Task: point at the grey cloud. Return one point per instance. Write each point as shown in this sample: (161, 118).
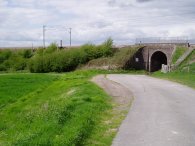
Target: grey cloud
(120, 3)
(141, 1)
(100, 24)
(111, 2)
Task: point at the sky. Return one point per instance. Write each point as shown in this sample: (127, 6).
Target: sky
(93, 21)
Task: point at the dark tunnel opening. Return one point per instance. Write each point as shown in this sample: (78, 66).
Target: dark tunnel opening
(157, 59)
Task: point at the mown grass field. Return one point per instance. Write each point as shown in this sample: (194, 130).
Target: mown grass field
(55, 109)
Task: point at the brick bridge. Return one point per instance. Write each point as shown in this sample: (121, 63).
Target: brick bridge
(151, 56)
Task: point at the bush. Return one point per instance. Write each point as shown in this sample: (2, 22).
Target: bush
(4, 55)
(88, 51)
(27, 53)
(39, 51)
(107, 48)
(3, 67)
(7, 64)
(20, 64)
(36, 65)
(14, 59)
(51, 48)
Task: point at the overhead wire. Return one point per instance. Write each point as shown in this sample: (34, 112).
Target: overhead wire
(135, 21)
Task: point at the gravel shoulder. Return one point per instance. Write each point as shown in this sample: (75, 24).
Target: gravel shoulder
(121, 95)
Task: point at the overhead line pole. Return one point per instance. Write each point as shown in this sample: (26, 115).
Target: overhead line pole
(70, 36)
(44, 30)
(44, 36)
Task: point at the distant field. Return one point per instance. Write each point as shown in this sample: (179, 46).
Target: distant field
(54, 109)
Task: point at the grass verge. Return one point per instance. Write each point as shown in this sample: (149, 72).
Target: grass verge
(180, 77)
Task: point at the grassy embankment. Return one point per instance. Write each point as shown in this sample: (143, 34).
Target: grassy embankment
(55, 109)
(180, 50)
(119, 60)
(189, 63)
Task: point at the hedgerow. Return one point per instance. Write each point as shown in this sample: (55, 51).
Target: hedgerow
(52, 58)
(68, 60)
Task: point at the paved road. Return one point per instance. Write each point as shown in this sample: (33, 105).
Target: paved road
(162, 114)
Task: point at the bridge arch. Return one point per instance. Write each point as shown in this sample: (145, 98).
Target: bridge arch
(157, 59)
(151, 56)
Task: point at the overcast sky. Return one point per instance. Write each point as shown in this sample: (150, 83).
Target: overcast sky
(21, 21)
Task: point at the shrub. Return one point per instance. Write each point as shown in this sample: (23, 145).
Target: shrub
(39, 51)
(4, 55)
(20, 64)
(14, 59)
(107, 48)
(3, 67)
(7, 64)
(88, 51)
(36, 64)
(27, 53)
(51, 48)
(91, 51)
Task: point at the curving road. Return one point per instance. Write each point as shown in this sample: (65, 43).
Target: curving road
(162, 114)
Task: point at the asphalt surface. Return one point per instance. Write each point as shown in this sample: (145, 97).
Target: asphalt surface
(162, 114)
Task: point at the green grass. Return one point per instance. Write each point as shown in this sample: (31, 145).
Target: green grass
(55, 109)
(192, 67)
(180, 77)
(178, 53)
